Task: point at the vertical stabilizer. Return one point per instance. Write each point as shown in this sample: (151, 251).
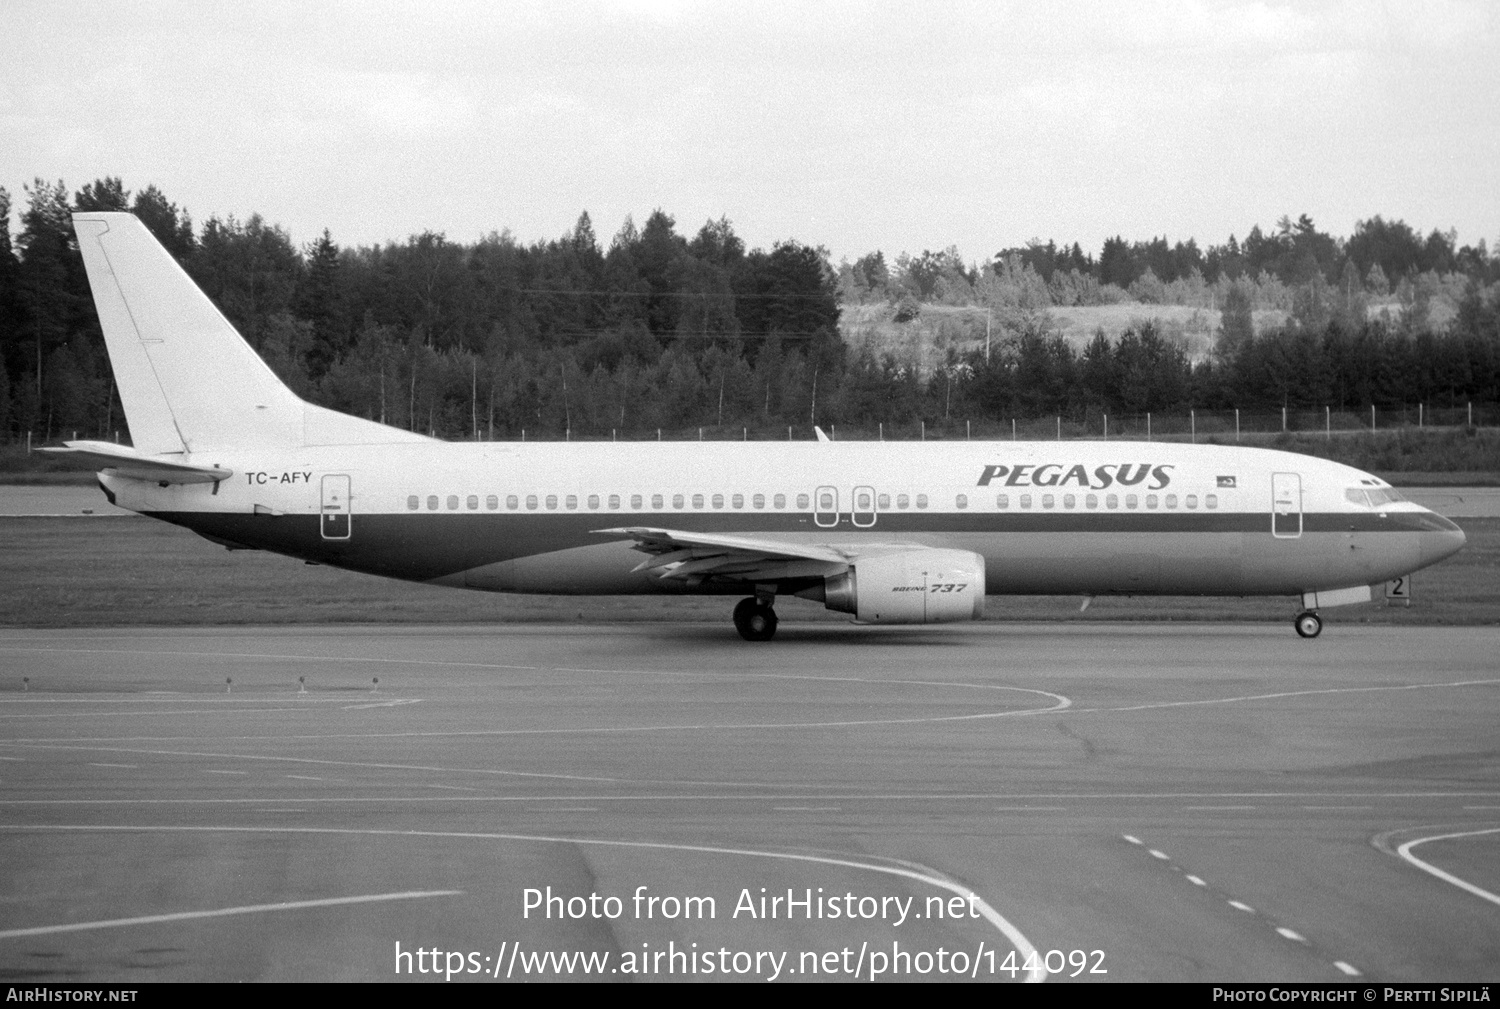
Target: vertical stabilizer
(188, 381)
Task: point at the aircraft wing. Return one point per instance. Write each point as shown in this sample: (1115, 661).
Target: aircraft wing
(695, 557)
(121, 460)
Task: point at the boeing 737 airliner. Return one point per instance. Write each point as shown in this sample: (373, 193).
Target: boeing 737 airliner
(904, 533)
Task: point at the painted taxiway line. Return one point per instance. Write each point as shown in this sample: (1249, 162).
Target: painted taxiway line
(290, 905)
(267, 657)
(923, 874)
(734, 797)
(1283, 695)
(1286, 933)
(1405, 852)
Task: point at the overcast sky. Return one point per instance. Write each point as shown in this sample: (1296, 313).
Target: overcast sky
(897, 127)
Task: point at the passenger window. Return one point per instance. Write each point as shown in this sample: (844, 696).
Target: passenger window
(738, 501)
(453, 502)
(1112, 501)
(412, 503)
(697, 500)
(657, 502)
(1002, 500)
(614, 502)
(717, 501)
(492, 502)
(571, 502)
(593, 501)
(473, 502)
(1211, 500)
(637, 502)
(551, 502)
(678, 501)
(1150, 500)
(1046, 500)
(432, 502)
(882, 501)
(902, 501)
(758, 501)
(921, 500)
(1025, 500)
(962, 500)
(1191, 500)
(1092, 501)
(779, 501)
(512, 502)
(1131, 501)
(1069, 501)
(803, 501)
(862, 501)
(531, 502)
(825, 502)
(1171, 500)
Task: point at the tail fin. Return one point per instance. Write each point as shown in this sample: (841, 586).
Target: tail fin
(188, 381)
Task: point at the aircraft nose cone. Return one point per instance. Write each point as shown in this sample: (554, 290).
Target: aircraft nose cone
(1445, 540)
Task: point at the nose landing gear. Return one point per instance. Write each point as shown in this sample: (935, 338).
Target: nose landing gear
(1308, 624)
(756, 621)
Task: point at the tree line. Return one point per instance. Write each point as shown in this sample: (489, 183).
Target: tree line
(656, 329)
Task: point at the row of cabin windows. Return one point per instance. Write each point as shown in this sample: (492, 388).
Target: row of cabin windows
(826, 501)
(1110, 501)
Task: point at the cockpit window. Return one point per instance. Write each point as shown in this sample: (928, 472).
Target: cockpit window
(1372, 497)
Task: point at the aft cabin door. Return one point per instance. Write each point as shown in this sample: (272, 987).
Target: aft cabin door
(863, 509)
(336, 507)
(1286, 505)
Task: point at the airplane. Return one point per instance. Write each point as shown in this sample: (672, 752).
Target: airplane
(890, 532)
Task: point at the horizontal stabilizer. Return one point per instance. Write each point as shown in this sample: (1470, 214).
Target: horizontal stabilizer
(120, 460)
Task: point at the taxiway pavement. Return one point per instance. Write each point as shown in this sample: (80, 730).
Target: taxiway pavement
(1206, 803)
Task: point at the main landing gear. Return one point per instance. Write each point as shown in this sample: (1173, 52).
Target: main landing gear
(1308, 624)
(755, 620)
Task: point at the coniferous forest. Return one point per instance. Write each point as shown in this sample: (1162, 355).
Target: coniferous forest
(679, 330)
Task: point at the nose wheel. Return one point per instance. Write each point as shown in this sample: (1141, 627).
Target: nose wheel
(755, 620)
(1308, 624)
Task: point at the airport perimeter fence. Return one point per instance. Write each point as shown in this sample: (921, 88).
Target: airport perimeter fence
(1219, 426)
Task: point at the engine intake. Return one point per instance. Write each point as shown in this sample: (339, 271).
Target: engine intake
(910, 587)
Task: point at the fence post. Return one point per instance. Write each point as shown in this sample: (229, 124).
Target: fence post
(1236, 424)
(882, 430)
(1471, 413)
(1059, 427)
(1419, 415)
(968, 430)
(1106, 427)
(924, 430)
(1148, 425)
(1372, 418)
(1012, 429)
(1193, 425)
(1283, 419)
(1328, 422)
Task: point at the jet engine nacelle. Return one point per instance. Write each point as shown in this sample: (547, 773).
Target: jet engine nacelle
(910, 587)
